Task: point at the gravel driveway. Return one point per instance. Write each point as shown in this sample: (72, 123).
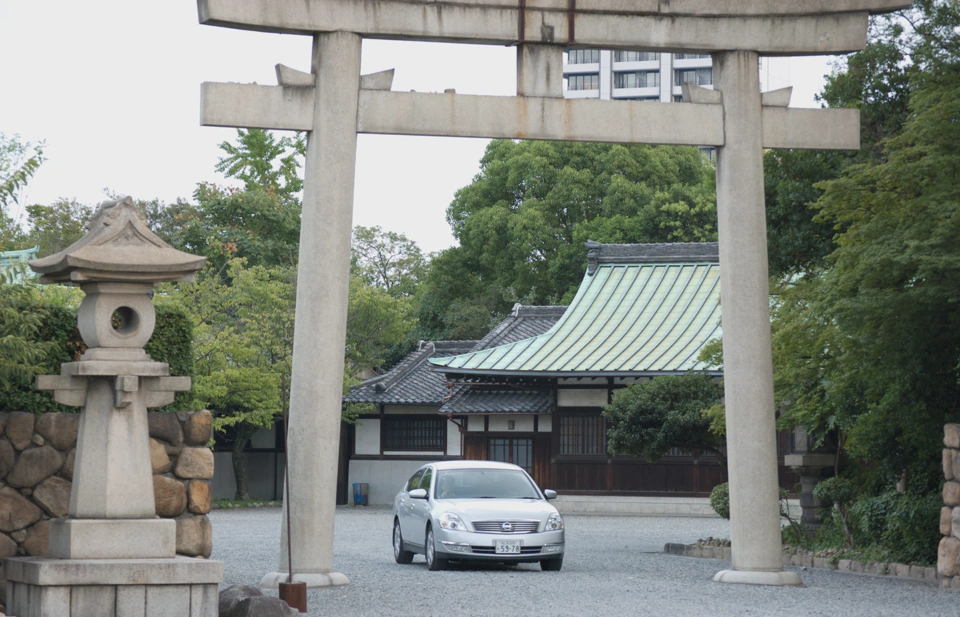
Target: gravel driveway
(613, 566)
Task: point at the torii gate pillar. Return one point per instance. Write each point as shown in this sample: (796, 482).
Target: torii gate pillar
(323, 287)
(748, 363)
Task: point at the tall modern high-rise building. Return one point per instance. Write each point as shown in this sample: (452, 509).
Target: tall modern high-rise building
(633, 75)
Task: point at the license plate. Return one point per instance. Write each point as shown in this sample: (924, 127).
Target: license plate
(508, 547)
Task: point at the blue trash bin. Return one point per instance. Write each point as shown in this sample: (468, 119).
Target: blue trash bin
(360, 492)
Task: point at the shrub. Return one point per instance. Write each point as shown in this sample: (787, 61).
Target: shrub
(720, 500)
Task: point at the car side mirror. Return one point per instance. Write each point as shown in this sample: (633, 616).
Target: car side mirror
(418, 493)
(550, 494)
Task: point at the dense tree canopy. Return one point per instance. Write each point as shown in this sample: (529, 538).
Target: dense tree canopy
(649, 419)
(522, 223)
(870, 345)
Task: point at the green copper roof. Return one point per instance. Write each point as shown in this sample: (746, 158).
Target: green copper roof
(13, 264)
(641, 310)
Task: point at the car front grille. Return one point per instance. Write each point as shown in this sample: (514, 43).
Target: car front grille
(497, 526)
(489, 550)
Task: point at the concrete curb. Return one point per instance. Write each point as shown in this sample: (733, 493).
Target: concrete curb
(898, 570)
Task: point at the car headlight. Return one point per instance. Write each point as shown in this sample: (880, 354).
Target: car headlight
(449, 520)
(554, 522)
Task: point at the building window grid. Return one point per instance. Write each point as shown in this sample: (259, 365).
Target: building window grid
(583, 82)
(692, 56)
(583, 56)
(637, 79)
(636, 56)
(414, 434)
(583, 435)
(700, 77)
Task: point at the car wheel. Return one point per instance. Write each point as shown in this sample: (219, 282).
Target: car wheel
(399, 554)
(434, 561)
(551, 565)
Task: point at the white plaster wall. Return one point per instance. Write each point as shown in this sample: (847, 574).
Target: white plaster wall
(368, 436)
(581, 398)
(453, 439)
(522, 423)
(385, 478)
(474, 423)
(545, 424)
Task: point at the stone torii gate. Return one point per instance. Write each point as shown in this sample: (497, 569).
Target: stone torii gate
(334, 103)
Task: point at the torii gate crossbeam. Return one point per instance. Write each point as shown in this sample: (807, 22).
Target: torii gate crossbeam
(334, 104)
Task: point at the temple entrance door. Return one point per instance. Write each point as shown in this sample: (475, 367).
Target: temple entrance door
(512, 450)
(530, 453)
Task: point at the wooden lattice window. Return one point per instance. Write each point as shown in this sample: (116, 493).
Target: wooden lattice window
(583, 435)
(414, 433)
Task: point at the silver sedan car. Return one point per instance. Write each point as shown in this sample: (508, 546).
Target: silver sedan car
(476, 511)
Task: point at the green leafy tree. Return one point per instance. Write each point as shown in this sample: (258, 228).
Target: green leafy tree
(387, 260)
(523, 221)
(263, 162)
(19, 161)
(57, 226)
(649, 419)
(870, 347)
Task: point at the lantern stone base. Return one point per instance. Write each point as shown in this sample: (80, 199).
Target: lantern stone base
(177, 587)
(113, 538)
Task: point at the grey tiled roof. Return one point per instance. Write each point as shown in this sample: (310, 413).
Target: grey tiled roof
(522, 323)
(411, 382)
(698, 252)
(476, 400)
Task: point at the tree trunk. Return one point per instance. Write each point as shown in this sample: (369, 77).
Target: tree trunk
(244, 433)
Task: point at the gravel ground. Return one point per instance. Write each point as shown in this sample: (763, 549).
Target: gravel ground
(612, 567)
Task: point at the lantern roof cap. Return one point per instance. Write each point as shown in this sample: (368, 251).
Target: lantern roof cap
(118, 247)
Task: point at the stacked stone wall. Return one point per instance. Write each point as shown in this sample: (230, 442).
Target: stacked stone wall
(37, 455)
(948, 555)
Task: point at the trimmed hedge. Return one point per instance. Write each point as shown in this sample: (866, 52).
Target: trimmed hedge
(172, 342)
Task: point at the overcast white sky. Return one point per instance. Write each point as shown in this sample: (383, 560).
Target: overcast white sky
(113, 87)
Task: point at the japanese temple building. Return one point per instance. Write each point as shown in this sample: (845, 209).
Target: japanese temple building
(531, 392)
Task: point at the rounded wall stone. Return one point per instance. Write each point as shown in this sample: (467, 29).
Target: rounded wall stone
(198, 496)
(20, 429)
(7, 457)
(170, 496)
(198, 428)
(948, 557)
(16, 511)
(194, 536)
(948, 463)
(954, 523)
(946, 520)
(951, 435)
(59, 429)
(8, 547)
(35, 466)
(955, 467)
(158, 457)
(197, 463)
(54, 497)
(165, 427)
(951, 493)
(37, 543)
(67, 470)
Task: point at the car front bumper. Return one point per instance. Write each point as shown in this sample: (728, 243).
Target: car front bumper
(482, 546)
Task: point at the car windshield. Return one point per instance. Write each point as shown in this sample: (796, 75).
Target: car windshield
(484, 484)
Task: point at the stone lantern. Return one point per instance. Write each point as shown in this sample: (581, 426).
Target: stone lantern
(113, 552)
